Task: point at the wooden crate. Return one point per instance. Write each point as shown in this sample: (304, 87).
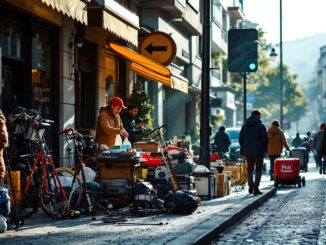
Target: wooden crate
(120, 169)
(147, 146)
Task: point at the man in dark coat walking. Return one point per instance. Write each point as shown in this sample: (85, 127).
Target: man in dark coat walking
(222, 141)
(253, 140)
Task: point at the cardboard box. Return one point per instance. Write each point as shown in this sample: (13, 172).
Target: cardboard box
(235, 173)
(244, 173)
(229, 175)
(147, 146)
(15, 177)
(221, 180)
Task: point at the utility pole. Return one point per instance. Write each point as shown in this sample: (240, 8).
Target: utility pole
(205, 86)
(281, 68)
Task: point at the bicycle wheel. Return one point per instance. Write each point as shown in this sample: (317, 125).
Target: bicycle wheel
(74, 191)
(52, 202)
(30, 200)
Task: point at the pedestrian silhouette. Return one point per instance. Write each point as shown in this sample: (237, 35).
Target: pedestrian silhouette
(253, 142)
(222, 141)
(276, 143)
(297, 141)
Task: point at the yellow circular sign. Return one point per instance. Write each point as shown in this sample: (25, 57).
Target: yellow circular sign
(158, 46)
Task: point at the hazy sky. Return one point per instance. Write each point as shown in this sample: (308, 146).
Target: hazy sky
(301, 18)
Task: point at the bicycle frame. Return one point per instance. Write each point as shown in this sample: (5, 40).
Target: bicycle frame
(41, 159)
(157, 135)
(79, 165)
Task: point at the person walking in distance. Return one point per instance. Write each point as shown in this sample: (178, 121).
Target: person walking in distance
(297, 141)
(222, 141)
(317, 148)
(323, 146)
(276, 143)
(253, 140)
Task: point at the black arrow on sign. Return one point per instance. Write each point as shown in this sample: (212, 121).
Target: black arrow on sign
(150, 48)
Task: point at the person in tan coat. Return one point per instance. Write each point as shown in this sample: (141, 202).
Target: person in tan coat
(3, 144)
(276, 143)
(109, 123)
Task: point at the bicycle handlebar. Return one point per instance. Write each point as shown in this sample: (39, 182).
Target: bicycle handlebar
(158, 128)
(73, 132)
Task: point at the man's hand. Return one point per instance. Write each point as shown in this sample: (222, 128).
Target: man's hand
(139, 125)
(124, 133)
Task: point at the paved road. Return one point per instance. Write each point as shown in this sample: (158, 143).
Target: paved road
(293, 216)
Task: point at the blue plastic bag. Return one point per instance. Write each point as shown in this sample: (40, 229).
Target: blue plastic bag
(4, 201)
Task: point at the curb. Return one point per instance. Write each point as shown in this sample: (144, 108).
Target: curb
(229, 222)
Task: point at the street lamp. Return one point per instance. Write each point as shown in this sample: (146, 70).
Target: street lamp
(273, 55)
(281, 69)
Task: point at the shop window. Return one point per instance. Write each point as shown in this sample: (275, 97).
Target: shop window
(11, 40)
(38, 51)
(110, 77)
(42, 74)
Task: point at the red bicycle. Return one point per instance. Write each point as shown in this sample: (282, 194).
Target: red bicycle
(43, 186)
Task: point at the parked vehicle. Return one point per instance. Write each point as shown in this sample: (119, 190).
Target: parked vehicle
(235, 146)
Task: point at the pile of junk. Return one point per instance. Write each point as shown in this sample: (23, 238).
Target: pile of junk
(149, 175)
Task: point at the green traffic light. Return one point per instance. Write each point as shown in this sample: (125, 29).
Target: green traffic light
(252, 66)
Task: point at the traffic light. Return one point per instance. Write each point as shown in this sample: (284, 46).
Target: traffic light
(242, 50)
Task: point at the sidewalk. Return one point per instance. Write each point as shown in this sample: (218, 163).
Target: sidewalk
(210, 219)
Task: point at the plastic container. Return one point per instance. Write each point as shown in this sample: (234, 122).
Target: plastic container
(126, 145)
(153, 162)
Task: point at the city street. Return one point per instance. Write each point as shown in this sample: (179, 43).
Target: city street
(292, 216)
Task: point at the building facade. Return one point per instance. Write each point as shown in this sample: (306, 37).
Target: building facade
(66, 61)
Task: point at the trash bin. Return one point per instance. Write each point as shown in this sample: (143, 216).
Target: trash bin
(300, 152)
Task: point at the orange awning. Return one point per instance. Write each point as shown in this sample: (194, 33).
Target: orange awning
(142, 65)
(149, 68)
(152, 75)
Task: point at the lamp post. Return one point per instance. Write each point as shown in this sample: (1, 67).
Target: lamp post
(273, 55)
(281, 69)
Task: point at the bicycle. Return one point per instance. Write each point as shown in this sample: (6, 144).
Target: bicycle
(41, 183)
(78, 188)
(156, 134)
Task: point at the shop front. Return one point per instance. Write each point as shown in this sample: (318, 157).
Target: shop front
(36, 58)
(29, 52)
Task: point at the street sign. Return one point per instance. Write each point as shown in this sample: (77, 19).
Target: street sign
(158, 46)
(251, 98)
(249, 106)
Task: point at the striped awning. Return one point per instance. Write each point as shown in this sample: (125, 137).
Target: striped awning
(76, 9)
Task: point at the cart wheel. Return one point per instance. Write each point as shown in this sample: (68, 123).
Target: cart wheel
(303, 180)
(19, 222)
(299, 181)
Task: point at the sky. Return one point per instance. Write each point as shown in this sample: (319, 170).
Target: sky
(301, 18)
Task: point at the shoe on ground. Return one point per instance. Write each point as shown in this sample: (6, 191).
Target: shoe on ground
(257, 192)
(320, 171)
(272, 177)
(251, 190)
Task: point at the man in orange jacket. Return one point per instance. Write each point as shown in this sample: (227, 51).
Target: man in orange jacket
(109, 124)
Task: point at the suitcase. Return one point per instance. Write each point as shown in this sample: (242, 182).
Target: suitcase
(286, 172)
(300, 152)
